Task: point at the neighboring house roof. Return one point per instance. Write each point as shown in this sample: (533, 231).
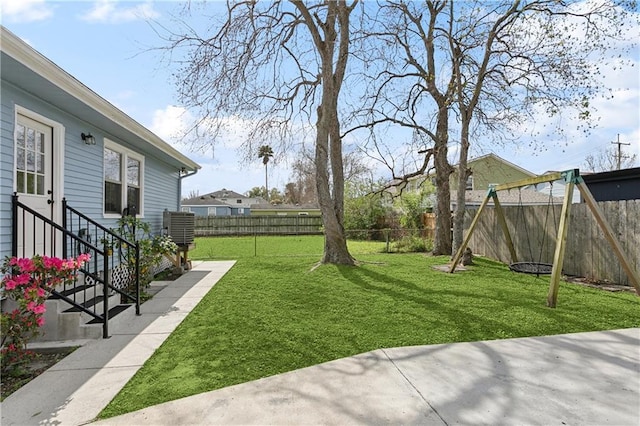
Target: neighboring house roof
(267, 206)
(213, 199)
(54, 85)
(205, 202)
(613, 175)
(529, 197)
(225, 193)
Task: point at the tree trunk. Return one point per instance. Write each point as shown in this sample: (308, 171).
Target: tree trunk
(463, 174)
(442, 237)
(328, 142)
(332, 208)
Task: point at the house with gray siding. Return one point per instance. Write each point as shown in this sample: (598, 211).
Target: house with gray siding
(224, 202)
(71, 164)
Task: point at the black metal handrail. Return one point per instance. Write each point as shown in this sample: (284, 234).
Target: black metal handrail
(30, 226)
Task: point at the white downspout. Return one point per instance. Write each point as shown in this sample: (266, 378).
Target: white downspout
(180, 177)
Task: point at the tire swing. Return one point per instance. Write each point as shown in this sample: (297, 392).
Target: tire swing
(534, 267)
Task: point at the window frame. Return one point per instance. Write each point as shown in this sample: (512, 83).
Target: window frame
(125, 155)
(469, 183)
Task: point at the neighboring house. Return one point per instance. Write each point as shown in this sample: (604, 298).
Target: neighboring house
(267, 209)
(486, 170)
(220, 203)
(614, 185)
(61, 141)
(490, 169)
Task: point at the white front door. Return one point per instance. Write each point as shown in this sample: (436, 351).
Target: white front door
(33, 179)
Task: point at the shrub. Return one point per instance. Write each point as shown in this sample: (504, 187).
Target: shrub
(152, 248)
(413, 244)
(28, 282)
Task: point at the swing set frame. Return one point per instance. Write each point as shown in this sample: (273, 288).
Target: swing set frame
(572, 179)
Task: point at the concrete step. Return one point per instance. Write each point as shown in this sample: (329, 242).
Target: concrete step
(66, 322)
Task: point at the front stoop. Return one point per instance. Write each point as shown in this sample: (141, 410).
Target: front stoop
(64, 322)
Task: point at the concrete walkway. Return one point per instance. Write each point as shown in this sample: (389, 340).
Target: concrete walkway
(573, 379)
(75, 390)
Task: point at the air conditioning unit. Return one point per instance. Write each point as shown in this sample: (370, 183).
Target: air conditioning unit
(180, 226)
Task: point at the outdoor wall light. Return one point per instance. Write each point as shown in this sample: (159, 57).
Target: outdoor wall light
(88, 138)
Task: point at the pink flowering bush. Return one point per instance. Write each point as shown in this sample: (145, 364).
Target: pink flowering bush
(28, 282)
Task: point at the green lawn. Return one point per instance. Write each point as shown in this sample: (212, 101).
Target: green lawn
(224, 248)
(272, 314)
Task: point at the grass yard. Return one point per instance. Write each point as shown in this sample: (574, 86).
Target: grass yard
(232, 248)
(272, 314)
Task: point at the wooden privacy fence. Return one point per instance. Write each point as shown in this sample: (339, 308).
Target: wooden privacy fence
(588, 254)
(257, 225)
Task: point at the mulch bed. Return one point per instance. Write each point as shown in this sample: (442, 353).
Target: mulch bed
(42, 362)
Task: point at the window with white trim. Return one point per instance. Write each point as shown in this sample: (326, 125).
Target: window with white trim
(123, 180)
(211, 211)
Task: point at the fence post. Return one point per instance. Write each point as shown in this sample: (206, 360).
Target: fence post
(386, 232)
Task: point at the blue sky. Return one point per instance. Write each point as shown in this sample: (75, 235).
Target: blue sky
(105, 44)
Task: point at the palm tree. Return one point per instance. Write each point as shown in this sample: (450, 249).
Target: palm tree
(265, 152)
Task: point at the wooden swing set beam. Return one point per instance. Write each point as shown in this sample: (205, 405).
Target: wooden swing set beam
(572, 178)
(549, 177)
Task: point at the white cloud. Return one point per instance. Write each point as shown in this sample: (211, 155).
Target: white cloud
(108, 11)
(170, 123)
(25, 10)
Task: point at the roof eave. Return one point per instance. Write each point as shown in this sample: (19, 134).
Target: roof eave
(41, 65)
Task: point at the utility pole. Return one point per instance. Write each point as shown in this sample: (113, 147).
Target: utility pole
(619, 150)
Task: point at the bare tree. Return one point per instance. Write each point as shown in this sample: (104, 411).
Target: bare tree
(513, 59)
(493, 65)
(192, 194)
(280, 67)
(609, 159)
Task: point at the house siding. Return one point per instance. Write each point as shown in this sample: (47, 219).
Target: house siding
(199, 211)
(160, 191)
(83, 167)
(6, 168)
(489, 170)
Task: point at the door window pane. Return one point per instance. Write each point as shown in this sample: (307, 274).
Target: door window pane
(31, 184)
(20, 136)
(40, 184)
(31, 161)
(40, 164)
(31, 139)
(20, 156)
(20, 182)
(40, 138)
